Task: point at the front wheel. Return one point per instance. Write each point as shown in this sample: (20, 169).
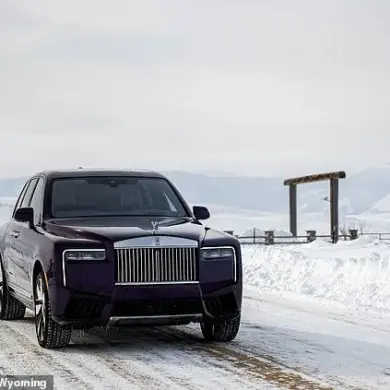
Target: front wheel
(225, 331)
(50, 334)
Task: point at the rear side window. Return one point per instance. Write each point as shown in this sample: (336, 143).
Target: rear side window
(27, 196)
(37, 201)
(21, 196)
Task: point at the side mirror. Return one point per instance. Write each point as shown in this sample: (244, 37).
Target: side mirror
(201, 213)
(25, 214)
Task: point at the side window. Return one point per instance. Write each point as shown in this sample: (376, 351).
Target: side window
(37, 201)
(19, 201)
(28, 194)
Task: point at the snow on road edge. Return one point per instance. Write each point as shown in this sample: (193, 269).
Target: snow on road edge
(352, 273)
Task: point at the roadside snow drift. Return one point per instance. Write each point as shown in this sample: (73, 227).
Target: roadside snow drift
(352, 273)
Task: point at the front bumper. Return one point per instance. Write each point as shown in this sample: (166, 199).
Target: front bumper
(146, 305)
(85, 294)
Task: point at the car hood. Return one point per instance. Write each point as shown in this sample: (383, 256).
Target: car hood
(122, 228)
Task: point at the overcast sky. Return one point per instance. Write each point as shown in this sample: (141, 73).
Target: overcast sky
(261, 87)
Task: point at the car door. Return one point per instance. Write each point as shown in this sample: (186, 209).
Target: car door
(18, 259)
(9, 240)
(27, 242)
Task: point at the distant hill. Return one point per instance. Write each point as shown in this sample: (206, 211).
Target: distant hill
(262, 194)
(366, 191)
(359, 193)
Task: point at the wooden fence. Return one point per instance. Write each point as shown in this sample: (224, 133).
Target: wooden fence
(269, 238)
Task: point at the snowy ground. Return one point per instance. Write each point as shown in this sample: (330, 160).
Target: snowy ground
(315, 316)
(355, 274)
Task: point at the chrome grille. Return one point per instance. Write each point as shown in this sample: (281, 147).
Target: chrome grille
(156, 265)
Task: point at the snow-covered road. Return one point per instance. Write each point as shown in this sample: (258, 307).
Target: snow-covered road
(282, 345)
(342, 349)
(174, 358)
(314, 317)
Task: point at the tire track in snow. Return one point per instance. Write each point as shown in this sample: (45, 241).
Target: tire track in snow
(141, 359)
(161, 350)
(338, 352)
(124, 366)
(257, 365)
(235, 359)
(86, 365)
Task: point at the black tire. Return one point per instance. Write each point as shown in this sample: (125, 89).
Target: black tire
(10, 307)
(50, 334)
(226, 331)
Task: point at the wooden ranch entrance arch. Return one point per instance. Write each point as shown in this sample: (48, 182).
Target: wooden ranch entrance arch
(334, 199)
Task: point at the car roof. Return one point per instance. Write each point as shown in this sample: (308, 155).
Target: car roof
(80, 172)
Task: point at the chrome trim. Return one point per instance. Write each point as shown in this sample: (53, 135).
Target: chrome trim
(63, 269)
(153, 283)
(223, 247)
(76, 250)
(168, 316)
(156, 241)
(156, 265)
(196, 316)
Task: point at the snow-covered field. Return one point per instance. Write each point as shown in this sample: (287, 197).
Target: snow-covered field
(240, 221)
(315, 316)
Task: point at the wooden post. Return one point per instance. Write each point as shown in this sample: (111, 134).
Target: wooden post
(353, 233)
(334, 193)
(293, 210)
(269, 237)
(334, 209)
(311, 235)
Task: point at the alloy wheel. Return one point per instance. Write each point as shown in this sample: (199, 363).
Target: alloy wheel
(40, 309)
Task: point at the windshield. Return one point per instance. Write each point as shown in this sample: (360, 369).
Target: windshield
(114, 196)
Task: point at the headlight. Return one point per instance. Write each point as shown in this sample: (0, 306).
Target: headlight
(81, 255)
(217, 253)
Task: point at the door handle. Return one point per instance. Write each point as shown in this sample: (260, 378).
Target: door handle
(15, 233)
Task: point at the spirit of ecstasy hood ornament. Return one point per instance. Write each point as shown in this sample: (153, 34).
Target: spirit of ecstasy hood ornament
(154, 226)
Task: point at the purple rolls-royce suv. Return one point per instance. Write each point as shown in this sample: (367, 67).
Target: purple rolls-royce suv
(86, 248)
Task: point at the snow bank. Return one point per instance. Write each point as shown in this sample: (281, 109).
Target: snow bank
(352, 273)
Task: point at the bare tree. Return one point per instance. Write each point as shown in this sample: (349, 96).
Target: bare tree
(362, 226)
(345, 227)
(343, 230)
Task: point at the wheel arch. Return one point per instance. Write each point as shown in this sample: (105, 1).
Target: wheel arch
(38, 267)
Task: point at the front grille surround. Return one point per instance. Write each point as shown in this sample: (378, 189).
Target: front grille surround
(156, 265)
